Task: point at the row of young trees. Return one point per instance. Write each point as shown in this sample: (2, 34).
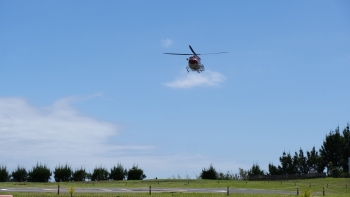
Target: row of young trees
(333, 155)
(63, 173)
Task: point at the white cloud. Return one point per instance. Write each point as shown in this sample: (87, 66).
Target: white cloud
(60, 134)
(166, 42)
(192, 79)
(56, 134)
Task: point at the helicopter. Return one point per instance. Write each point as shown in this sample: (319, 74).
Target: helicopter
(194, 62)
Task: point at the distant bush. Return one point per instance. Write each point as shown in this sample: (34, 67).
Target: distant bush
(79, 174)
(135, 173)
(63, 173)
(20, 175)
(118, 173)
(100, 173)
(255, 170)
(39, 173)
(209, 173)
(4, 174)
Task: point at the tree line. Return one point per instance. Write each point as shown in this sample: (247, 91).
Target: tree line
(333, 155)
(64, 173)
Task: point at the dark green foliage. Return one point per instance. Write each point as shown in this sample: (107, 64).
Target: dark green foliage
(118, 173)
(287, 164)
(20, 175)
(255, 170)
(346, 149)
(209, 173)
(243, 174)
(331, 150)
(335, 151)
(63, 173)
(39, 173)
(302, 166)
(314, 161)
(273, 170)
(79, 174)
(4, 174)
(223, 176)
(136, 173)
(99, 174)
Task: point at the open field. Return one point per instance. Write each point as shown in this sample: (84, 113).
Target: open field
(336, 187)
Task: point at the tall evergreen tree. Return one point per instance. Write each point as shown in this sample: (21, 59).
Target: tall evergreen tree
(302, 163)
(315, 161)
(331, 150)
(79, 174)
(296, 164)
(135, 173)
(39, 173)
(287, 165)
(118, 173)
(4, 174)
(273, 170)
(209, 173)
(99, 174)
(63, 173)
(346, 148)
(255, 170)
(20, 174)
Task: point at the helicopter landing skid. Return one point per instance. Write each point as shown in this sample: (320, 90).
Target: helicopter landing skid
(201, 69)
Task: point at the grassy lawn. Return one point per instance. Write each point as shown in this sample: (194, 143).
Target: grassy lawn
(162, 195)
(336, 186)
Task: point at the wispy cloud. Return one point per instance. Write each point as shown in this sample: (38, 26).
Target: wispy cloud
(60, 133)
(207, 78)
(56, 134)
(166, 42)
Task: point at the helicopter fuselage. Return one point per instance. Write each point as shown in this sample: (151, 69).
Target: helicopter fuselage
(194, 63)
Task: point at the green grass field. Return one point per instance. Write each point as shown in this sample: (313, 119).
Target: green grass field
(336, 187)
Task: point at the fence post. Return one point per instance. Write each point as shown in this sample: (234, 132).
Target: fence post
(58, 189)
(297, 191)
(323, 191)
(228, 191)
(150, 192)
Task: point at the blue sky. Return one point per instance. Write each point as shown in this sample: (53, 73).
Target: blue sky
(86, 82)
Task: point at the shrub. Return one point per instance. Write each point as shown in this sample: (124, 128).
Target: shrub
(135, 173)
(4, 174)
(210, 173)
(39, 173)
(79, 174)
(118, 173)
(20, 175)
(63, 173)
(100, 173)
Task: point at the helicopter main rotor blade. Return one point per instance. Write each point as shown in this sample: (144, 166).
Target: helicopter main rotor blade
(212, 53)
(193, 50)
(177, 53)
